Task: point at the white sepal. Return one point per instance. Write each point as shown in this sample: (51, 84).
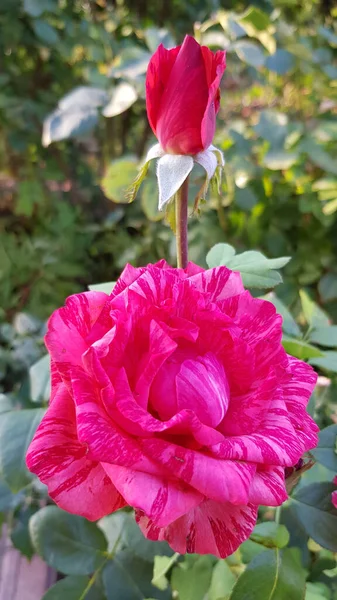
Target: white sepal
(155, 151)
(221, 160)
(172, 170)
(208, 161)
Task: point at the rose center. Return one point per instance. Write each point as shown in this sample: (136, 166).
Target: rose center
(192, 382)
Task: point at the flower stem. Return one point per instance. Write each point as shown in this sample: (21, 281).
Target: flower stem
(181, 225)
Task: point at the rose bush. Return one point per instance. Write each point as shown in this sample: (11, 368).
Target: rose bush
(183, 96)
(173, 395)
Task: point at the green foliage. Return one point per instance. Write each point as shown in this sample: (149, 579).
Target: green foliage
(74, 587)
(16, 432)
(67, 542)
(326, 451)
(192, 578)
(256, 270)
(274, 574)
(315, 511)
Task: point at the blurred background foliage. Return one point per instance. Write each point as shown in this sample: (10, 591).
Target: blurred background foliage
(76, 70)
(73, 132)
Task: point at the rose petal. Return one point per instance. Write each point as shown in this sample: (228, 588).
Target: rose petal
(220, 283)
(70, 327)
(105, 440)
(277, 442)
(221, 480)
(184, 102)
(210, 528)
(76, 483)
(268, 487)
(246, 412)
(202, 386)
(215, 65)
(164, 500)
(158, 73)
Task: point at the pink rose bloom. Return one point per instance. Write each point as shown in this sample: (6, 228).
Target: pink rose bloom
(175, 396)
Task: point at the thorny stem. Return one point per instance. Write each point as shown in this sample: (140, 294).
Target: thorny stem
(181, 225)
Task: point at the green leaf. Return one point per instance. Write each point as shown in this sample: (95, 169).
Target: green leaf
(326, 451)
(272, 575)
(222, 581)
(123, 97)
(39, 377)
(131, 63)
(16, 432)
(73, 588)
(273, 127)
(7, 498)
(325, 184)
(68, 543)
(20, 533)
(327, 287)
(250, 549)
(329, 35)
(149, 200)
(35, 8)
(45, 32)
(85, 96)
(313, 314)
(317, 514)
(330, 207)
(139, 545)
(257, 25)
(30, 194)
(270, 534)
(256, 270)
(324, 336)
(254, 16)
(118, 177)
(300, 349)
(328, 362)
(249, 53)
(67, 123)
(112, 527)
(154, 37)
(319, 157)
(279, 160)
(317, 591)
(219, 255)
(162, 564)
(268, 279)
(289, 325)
(280, 62)
(102, 287)
(255, 262)
(128, 577)
(6, 403)
(245, 199)
(192, 582)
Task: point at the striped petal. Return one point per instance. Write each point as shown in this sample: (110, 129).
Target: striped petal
(220, 283)
(268, 487)
(76, 483)
(70, 328)
(210, 528)
(164, 500)
(220, 480)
